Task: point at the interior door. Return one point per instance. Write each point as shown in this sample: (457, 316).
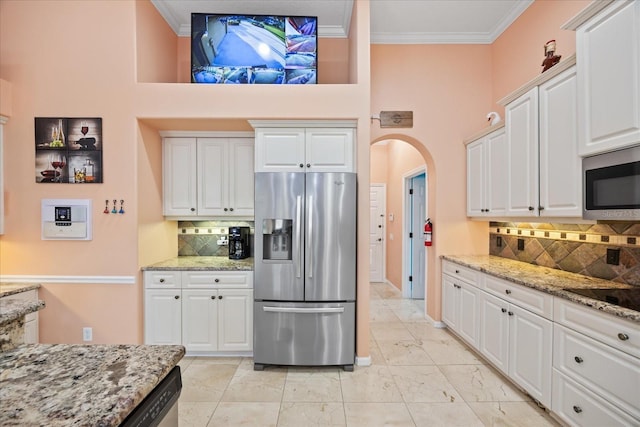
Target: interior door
(417, 253)
(377, 196)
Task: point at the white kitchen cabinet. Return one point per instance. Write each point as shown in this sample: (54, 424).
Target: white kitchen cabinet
(487, 175)
(305, 149)
(494, 331)
(208, 177)
(162, 316)
(544, 171)
(521, 123)
(559, 164)
(206, 311)
(608, 54)
(460, 307)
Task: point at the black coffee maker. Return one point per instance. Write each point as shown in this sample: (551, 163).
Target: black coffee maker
(239, 242)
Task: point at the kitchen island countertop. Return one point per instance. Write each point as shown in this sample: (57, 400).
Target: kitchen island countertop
(7, 288)
(547, 280)
(202, 263)
(68, 384)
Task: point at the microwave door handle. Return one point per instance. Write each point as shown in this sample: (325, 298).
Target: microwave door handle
(298, 237)
(309, 240)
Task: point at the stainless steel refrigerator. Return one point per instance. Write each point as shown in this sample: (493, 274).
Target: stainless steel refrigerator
(305, 269)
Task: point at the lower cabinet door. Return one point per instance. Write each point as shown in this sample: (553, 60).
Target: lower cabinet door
(530, 353)
(469, 306)
(235, 320)
(199, 320)
(494, 324)
(449, 302)
(162, 316)
(577, 406)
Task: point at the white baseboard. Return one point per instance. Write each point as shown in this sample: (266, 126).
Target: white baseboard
(363, 361)
(111, 280)
(439, 324)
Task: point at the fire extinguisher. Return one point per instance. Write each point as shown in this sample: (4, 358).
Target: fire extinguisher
(428, 231)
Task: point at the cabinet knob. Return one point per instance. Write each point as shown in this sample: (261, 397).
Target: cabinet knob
(301, 165)
(231, 209)
(504, 310)
(531, 208)
(578, 359)
(213, 297)
(308, 165)
(379, 226)
(216, 280)
(225, 209)
(577, 409)
(177, 297)
(510, 313)
(193, 209)
(540, 208)
(457, 271)
(508, 292)
(161, 280)
(623, 337)
(379, 239)
(219, 296)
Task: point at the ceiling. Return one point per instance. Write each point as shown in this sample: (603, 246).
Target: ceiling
(392, 21)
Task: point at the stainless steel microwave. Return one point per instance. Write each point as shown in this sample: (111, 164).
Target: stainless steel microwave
(611, 185)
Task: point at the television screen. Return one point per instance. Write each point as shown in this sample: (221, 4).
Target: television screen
(253, 49)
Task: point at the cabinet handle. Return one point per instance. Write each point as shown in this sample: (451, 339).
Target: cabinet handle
(308, 165)
(177, 297)
(623, 337)
(219, 296)
(540, 208)
(577, 409)
(216, 280)
(161, 280)
(578, 359)
(508, 292)
(193, 209)
(504, 310)
(531, 208)
(511, 313)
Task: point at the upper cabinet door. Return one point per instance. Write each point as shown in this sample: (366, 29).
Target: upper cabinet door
(329, 150)
(241, 177)
(496, 172)
(476, 185)
(280, 150)
(560, 165)
(179, 177)
(213, 176)
(521, 125)
(608, 55)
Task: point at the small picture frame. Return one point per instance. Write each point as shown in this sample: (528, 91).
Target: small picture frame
(68, 150)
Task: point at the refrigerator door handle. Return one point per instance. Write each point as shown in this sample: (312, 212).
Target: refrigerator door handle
(299, 310)
(309, 241)
(299, 235)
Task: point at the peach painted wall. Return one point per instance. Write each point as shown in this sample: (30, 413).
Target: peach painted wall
(379, 158)
(6, 98)
(449, 91)
(402, 159)
(518, 53)
(64, 59)
(156, 46)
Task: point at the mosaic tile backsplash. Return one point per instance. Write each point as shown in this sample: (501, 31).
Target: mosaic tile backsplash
(578, 248)
(200, 238)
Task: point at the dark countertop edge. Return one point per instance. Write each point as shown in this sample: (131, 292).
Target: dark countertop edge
(16, 288)
(615, 310)
(18, 309)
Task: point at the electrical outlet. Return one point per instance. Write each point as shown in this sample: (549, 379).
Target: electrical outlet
(87, 334)
(521, 244)
(613, 256)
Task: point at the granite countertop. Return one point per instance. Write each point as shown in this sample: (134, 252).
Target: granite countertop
(202, 263)
(7, 289)
(12, 309)
(83, 385)
(547, 280)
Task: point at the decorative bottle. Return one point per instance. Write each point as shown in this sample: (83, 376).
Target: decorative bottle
(88, 174)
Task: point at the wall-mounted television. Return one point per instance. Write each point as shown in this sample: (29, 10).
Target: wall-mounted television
(253, 49)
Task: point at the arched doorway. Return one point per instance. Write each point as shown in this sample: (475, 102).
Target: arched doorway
(394, 160)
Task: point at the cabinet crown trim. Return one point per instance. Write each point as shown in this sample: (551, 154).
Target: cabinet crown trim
(483, 132)
(542, 78)
(303, 123)
(586, 14)
(205, 134)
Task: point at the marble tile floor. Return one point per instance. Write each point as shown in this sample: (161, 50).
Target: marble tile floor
(419, 376)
